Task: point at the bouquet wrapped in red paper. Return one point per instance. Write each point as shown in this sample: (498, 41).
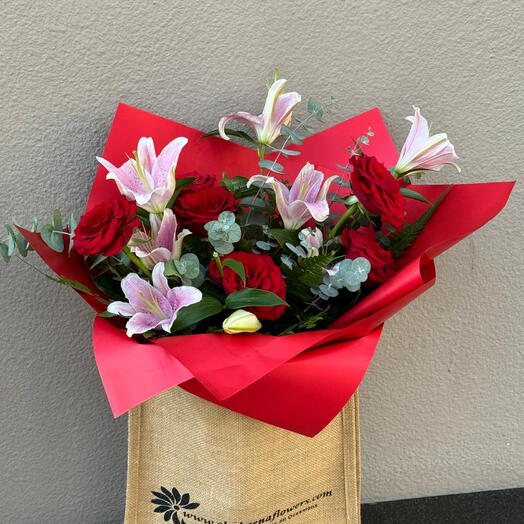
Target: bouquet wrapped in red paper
(257, 278)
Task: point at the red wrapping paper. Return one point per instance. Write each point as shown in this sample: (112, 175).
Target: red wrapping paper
(298, 382)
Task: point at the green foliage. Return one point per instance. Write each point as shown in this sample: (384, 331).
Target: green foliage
(181, 183)
(249, 297)
(271, 165)
(231, 132)
(191, 315)
(223, 233)
(316, 108)
(237, 186)
(307, 273)
(294, 136)
(415, 195)
(78, 286)
(403, 240)
(282, 236)
(236, 266)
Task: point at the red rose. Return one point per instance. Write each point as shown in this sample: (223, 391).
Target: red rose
(261, 273)
(201, 202)
(377, 189)
(363, 242)
(106, 229)
(201, 181)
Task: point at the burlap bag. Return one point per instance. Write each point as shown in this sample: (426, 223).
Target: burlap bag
(236, 469)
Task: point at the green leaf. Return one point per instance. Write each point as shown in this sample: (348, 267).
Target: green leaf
(307, 273)
(415, 195)
(270, 165)
(52, 238)
(236, 266)
(254, 202)
(57, 220)
(403, 240)
(283, 236)
(237, 186)
(4, 252)
(249, 297)
(106, 314)
(78, 286)
(18, 240)
(231, 132)
(286, 152)
(180, 184)
(316, 108)
(293, 135)
(190, 315)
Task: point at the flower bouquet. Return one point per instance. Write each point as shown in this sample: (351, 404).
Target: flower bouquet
(257, 279)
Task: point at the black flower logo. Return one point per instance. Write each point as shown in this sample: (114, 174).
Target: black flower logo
(170, 502)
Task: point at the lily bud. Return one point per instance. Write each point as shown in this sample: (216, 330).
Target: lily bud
(241, 321)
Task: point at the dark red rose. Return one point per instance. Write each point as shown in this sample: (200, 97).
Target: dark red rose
(377, 189)
(106, 229)
(261, 273)
(201, 181)
(363, 242)
(202, 201)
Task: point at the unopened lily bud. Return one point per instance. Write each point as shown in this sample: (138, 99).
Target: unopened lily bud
(241, 321)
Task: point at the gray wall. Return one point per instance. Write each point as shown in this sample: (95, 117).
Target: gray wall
(442, 403)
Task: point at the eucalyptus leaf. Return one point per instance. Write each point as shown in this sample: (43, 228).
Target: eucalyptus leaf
(250, 297)
(316, 108)
(4, 253)
(270, 165)
(295, 136)
(52, 238)
(57, 220)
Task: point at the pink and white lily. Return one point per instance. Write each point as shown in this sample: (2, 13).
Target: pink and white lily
(146, 178)
(162, 243)
(152, 306)
(421, 151)
(306, 199)
(277, 112)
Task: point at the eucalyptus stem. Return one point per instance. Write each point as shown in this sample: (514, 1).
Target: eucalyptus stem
(336, 228)
(138, 263)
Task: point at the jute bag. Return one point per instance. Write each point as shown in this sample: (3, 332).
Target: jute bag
(210, 465)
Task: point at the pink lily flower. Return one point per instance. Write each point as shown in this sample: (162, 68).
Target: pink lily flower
(277, 112)
(306, 199)
(147, 179)
(162, 243)
(152, 306)
(421, 151)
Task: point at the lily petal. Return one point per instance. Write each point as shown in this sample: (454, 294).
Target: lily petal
(146, 153)
(140, 323)
(163, 172)
(159, 279)
(125, 309)
(307, 184)
(281, 115)
(183, 296)
(256, 122)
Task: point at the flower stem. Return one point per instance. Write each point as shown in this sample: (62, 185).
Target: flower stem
(336, 228)
(138, 263)
(261, 155)
(220, 266)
